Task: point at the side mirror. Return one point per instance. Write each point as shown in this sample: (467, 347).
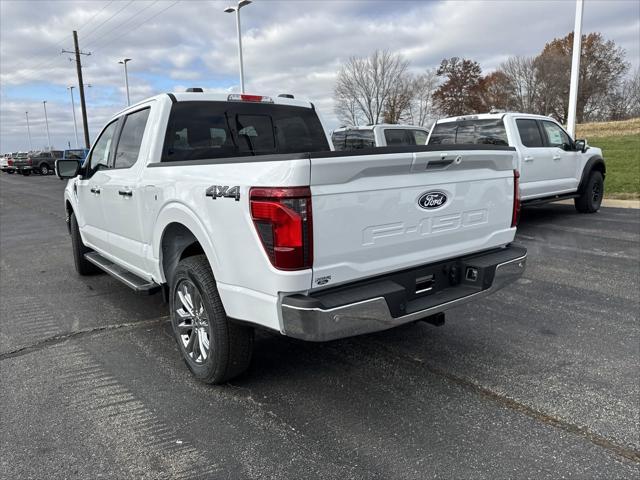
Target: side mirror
(67, 168)
(581, 145)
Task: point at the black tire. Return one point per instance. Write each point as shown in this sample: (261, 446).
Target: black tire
(83, 266)
(44, 169)
(9, 172)
(591, 198)
(230, 344)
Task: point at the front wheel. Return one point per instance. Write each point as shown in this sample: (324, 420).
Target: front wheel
(44, 169)
(83, 266)
(214, 348)
(591, 198)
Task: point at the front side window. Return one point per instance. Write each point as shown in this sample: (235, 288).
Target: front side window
(420, 137)
(483, 132)
(99, 158)
(556, 136)
(529, 133)
(131, 138)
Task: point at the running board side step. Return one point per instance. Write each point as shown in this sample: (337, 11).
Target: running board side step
(137, 284)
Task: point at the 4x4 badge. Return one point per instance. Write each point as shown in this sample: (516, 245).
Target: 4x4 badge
(215, 191)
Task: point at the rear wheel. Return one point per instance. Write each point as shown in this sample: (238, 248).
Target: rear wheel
(83, 266)
(214, 348)
(44, 169)
(591, 198)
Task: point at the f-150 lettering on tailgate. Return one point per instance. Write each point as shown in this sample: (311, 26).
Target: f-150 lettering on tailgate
(426, 226)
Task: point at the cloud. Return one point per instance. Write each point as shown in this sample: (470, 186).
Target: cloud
(289, 47)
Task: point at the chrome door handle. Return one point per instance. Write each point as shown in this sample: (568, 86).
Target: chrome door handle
(125, 193)
(95, 190)
(528, 159)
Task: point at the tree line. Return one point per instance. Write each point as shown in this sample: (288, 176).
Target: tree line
(380, 88)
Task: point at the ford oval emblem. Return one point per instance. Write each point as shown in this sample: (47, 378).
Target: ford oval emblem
(430, 200)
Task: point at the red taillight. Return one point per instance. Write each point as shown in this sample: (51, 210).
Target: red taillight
(516, 198)
(282, 217)
(10, 162)
(28, 161)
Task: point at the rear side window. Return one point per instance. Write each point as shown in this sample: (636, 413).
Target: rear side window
(131, 138)
(202, 130)
(529, 133)
(353, 140)
(483, 132)
(398, 137)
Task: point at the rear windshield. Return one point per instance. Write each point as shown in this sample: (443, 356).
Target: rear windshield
(486, 132)
(353, 139)
(202, 130)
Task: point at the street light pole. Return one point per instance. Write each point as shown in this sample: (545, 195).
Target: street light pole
(73, 109)
(46, 121)
(126, 77)
(241, 3)
(29, 132)
(575, 70)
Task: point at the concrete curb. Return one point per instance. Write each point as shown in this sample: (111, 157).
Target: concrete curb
(611, 203)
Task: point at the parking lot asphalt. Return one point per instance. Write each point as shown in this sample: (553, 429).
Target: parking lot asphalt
(540, 380)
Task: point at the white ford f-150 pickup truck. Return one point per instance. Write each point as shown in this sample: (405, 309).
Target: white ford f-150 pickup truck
(552, 165)
(235, 207)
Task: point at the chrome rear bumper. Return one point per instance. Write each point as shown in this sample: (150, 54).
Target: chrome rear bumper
(320, 324)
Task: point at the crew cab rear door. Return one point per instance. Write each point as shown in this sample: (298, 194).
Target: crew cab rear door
(380, 212)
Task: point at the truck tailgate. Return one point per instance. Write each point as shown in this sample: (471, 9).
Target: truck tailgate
(377, 213)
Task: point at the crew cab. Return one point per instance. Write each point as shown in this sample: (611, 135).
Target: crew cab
(39, 162)
(381, 135)
(236, 208)
(552, 165)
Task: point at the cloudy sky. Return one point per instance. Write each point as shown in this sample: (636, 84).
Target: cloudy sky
(293, 46)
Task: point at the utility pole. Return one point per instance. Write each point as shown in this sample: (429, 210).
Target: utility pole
(46, 122)
(73, 108)
(83, 105)
(575, 70)
(29, 132)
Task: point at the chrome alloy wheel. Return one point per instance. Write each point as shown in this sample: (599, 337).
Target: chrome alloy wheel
(191, 321)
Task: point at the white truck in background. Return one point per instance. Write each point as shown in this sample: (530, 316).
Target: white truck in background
(552, 165)
(380, 135)
(235, 207)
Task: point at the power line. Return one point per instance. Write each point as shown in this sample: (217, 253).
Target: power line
(65, 38)
(105, 21)
(139, 23)
(95, 40)
(95, 15)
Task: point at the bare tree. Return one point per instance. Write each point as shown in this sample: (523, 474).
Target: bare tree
(365, 85)
(523, 81)
(422, 108)
(398, 105)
